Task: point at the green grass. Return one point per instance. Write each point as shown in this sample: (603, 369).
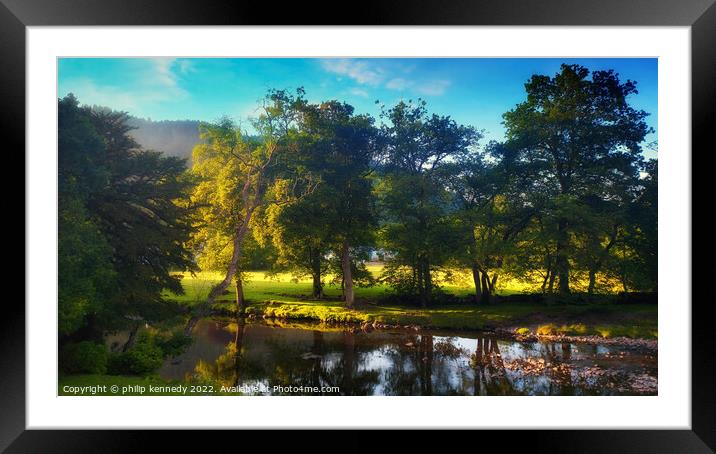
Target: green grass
(258, 286)
(282, 298)
(605, 320)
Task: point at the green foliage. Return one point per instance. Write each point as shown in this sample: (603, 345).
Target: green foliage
(84, 357)
(85, 273)
(581, 141)
(337, 147)
(142, 359)
(418, 227)
(173, 344)
(121, 225)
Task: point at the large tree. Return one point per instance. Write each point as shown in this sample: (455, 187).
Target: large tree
(418, 228)
(240, 174)
(123, 201)
(494, 209)
(339, 147)
(580, 136)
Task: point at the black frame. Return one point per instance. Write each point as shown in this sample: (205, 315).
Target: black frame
(15, 15)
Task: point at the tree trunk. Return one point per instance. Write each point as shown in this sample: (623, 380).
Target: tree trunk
(545, 280)
(217, 289)
(552, 276)
(347, 275)
(592, 281)
(316, 274)
(428, 283)
(602, 256)
(485, 288)
(561, 260)
(476, 279)
(493, 283)
(131, 339)
(240, 302)
(421, 282)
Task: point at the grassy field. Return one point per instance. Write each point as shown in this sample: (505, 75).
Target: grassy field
(284, 297)
(635, 321)
(283, 287)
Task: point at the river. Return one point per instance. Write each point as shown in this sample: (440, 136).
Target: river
(265, 358)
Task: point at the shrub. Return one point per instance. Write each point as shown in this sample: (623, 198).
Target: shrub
(84, 357)
(142, 359)
(174, 344)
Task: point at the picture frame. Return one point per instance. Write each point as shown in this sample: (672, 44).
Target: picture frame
(700, 15)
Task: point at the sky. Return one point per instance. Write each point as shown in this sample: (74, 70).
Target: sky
(473, 91)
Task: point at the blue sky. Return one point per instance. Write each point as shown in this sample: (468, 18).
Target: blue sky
(475, 91)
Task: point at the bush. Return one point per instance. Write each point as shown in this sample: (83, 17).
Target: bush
(142, 359)
(174, 344)
(84, 357)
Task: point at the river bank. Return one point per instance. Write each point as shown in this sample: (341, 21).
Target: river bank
(605, 323)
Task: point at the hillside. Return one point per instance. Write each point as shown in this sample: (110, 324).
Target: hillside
(173, 137)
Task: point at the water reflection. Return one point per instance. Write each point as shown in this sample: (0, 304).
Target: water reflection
(236, 353)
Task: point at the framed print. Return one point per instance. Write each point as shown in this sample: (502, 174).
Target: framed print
(407, 218)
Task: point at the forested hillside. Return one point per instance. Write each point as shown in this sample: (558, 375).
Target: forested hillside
(172, 137)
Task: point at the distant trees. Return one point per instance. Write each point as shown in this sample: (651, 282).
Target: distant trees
(121, 226)
(172, 137)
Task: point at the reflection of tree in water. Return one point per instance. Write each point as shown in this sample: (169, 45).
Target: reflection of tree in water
(420, 365)
(404, 363)
(288, 363)
(558, 368)
(225, 370)
(545, 369)
(346, 372)
(490, 375)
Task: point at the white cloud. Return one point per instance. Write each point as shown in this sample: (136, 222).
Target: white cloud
(373, 73)
(164, 74)
(397, 84)
(88, 92)
(162, 71)
(152, 81)
(359, 92)
(360, 71)
(433, 88)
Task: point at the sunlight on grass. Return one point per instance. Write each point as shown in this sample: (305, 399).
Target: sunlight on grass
(283, 297)
(284, 287)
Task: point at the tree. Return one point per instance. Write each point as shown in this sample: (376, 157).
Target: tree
(418, 227)
(493, 211)
(301, 233)
(124, 202)
(635, 260)
(239, 174)
(85, 273)
(579, 135)
(338, 147)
